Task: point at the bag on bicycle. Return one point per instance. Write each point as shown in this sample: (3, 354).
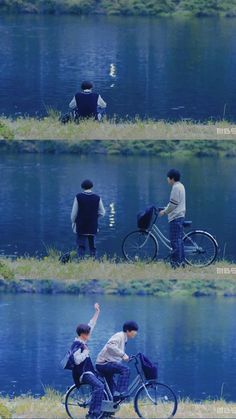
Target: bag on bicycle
(149, 369)
(144, 218)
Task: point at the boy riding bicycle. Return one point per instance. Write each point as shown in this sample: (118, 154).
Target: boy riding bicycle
(109, 360)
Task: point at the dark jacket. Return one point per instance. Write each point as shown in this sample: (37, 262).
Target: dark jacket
(87, 217)
(87, 104)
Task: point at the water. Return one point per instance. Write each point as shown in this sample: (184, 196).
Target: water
(37, 193)
(192, 339)
(167, 68)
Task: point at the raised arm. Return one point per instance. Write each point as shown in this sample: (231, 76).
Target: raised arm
(93, 320)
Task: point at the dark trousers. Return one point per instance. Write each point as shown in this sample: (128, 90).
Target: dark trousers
(81, 240)
(97, 392)
(176, 239)
(110, 369)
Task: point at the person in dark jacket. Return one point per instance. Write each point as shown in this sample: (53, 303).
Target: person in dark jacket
(83, 370)
(87, 207)
(87, 103)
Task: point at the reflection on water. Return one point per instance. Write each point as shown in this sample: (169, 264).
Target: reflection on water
(193, 340)
(37, 193)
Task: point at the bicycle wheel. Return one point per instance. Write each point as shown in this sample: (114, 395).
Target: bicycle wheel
(139, 245)
(200, 248)
(155, 400)
(78, 399)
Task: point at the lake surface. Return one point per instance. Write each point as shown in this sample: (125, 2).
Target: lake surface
(37, 193)
(193, 340)
(166, 68)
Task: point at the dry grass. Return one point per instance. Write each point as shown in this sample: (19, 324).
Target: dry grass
(50, 128)
(111, 277)
(50, 267)
(50, 406)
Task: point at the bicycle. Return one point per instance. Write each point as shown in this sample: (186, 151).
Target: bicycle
(151, 398)
(200, 247)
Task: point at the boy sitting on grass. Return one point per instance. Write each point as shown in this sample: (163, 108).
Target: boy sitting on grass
(109, 360)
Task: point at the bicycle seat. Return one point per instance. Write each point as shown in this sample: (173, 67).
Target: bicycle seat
(187, 223)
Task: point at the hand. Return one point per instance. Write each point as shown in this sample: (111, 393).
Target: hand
(161, 213)
(86, 352)
(97, 307)
(125, 358)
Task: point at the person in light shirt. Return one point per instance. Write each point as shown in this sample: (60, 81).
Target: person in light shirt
(175, 210)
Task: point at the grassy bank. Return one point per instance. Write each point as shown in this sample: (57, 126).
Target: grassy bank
(163, 148)
(50, 128)
(109, 277)
(123, 7)
(50, 406)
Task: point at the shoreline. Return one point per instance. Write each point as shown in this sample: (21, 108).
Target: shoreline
(49, 276)
(126, 148)
(108, 8)
(28, 128)
(50, 406)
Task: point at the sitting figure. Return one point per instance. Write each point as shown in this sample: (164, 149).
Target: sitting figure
(88, 104)
(78, 360)
(109, 361)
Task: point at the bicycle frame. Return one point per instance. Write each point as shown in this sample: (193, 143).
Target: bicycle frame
(134, 385)
(157, 234)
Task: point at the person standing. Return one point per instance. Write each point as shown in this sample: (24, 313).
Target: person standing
(87, 103)
(87, 207)
(175, 210)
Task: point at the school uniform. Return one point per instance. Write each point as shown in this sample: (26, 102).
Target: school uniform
(87, 207)
(109, 363)
(176, 214)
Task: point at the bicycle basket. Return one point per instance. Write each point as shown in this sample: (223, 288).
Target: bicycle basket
(144, 218)
(150, 370)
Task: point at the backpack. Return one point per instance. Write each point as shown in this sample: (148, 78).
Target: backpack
(149, 369)
(144, 218)
(68, 362)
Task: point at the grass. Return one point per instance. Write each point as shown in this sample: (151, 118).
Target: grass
(111, 277)
(50, 128)
(50, 406)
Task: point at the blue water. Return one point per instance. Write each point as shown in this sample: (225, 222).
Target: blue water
(37, 193)
(193, 340)
(164, 68)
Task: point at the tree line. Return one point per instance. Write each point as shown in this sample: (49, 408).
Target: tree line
(123, 7)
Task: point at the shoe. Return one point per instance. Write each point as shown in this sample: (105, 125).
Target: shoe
(118, 397)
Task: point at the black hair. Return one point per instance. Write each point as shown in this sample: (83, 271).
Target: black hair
(83, 328)
(85, 85)
(174, 174)
(86, 184)
(129, 326)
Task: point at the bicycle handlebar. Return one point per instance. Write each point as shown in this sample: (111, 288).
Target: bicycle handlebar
(132, 357)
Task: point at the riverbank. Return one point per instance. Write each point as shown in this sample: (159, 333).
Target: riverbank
(28, 128)
(50, 406)
(120, 7)
(49, 276)
(160, 148)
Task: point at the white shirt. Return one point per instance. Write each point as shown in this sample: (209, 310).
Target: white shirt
(177, 205)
